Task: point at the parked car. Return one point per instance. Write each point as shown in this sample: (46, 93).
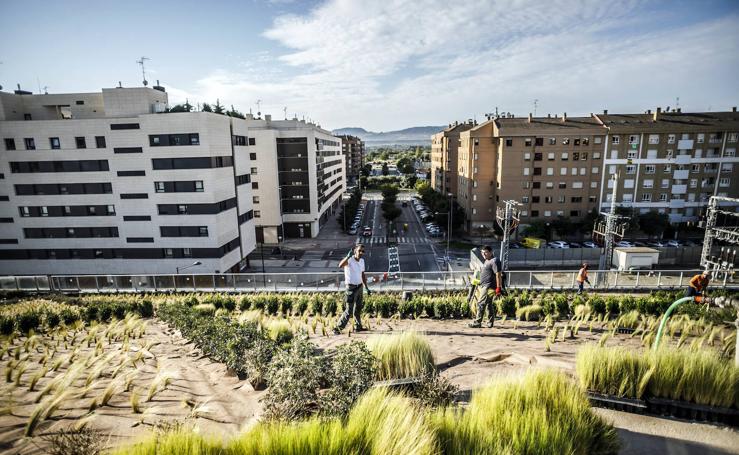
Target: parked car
(353, 231)
(437, 234)
(589, 245)
(656, 244)
(637, 243)
(558, 244)
(367, 232)
(515, 246)
(625, 244)
(675, 243)
(575, 245)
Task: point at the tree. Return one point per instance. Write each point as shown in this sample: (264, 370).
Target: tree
(385, 170)
(234, 113)
(654, 223)
(384, 155)
(405, 165)
(563, 226)
(366, 170)
(218, 108)
(207, 108)
(537, 228)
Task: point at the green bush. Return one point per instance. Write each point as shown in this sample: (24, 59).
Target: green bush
(28, 320)
(627, 304)
(229, 303)
(7, 325)
(507, 306)
(597, 304)
(69, 316)
(613, 305)
(562, 304)
(52, 319)
(350, 374)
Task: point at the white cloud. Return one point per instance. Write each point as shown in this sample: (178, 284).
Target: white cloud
(393, 64)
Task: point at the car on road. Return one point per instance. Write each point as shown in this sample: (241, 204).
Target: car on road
(558, 244)
(353, 231)
(625, 244)
(675, 243)
(367, 232)
(437, 234)
(589, 245)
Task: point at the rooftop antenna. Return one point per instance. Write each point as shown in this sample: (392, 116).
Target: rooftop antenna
(38, 82)
(46, 89)
(1, 87)
(536, 104)
(143, 69)
(284, 111)
(677, 102)
(259, 108)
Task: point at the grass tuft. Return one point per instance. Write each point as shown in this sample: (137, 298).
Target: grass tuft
(401, 355)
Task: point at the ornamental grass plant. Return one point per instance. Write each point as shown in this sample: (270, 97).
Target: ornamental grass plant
(401, 355)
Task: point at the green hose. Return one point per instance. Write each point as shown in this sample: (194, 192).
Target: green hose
(667, 315)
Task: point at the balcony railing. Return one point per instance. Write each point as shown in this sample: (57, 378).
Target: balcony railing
(330, 281)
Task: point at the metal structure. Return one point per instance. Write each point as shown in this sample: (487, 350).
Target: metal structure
(724, 263)
(606, 231)
(143, 70)
(508, 220)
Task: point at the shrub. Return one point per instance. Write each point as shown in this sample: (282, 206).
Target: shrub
(90, 313)
(105, 312)
(257, 359)
(52, 319)
(549, 306)
(613, 371)
(562, 304)
(626, 304)
(401, 355)
(28, 320)
(279, 331)
(205, 309)
(507, 306)
(69, 316)
(118, 310)
(330, 305)
(529, 313)
(294, 377)
(145, 308)
(434, 390)
(613, 305)
(350, 373)
(300, 304)
(7, 325)
(229, 303)
(83, 441)
(597, 304)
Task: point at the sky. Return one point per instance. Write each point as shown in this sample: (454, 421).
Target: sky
(385, 64)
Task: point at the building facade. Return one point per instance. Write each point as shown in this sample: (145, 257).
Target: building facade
(352, 148)
(298, 177)
(112, 183)
(561, 166)
(444, 146)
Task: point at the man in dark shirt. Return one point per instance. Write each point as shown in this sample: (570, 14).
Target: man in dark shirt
(491, 277)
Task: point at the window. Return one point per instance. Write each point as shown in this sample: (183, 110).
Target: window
(646, 197)
(667, 169)
(131, 173)
(628, 197)
(9, 143)
(535, 199)
(633, 139)
(509, 142)
(576, 142)
(257, 214)
(594, 170)
(565, 156)
(538, 156)
(593, 184)
(253, 156)
(701, 138)
(573, 171)
(526, 156)
(583, 171)
(252, 141)
(552, 141)
(526, 171)
(724, 182)
(547, 199)
(547, 213)
(665, 183)
(615, 140)
(596, 155)
(663, 197)
(255, 185)
(128, 150)
(550, 171)
(253, 171)
(566, 141)
(527, 142)
(550, 185)
(631, 154)
(597, 140)
(526, 184)
(730, 152)
(574, 213)
(100, 142)
(563, 171)
(733, 137)
(54, 142)
(630, 169)
(537, 171)
(80, 142)
(575, 156)
(576, 199)
(534, 213)
(539, 141)
(525, 199)
(255, 199)
(727, 167)
(694, 183)
(550, 156)
(695, 168)
(648, 183)
(199, 186)
(654, 138)
(577, 185)
(124, 126)
(670, 138)
(159, 187)
(650, 169)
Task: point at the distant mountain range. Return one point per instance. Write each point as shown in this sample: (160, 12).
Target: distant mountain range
(417, 135)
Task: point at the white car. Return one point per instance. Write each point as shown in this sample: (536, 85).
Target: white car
(558, 244)
(624, 244)
(589, 245)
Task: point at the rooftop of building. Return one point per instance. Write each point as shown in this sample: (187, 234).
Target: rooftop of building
(673, 121)
(554, 125)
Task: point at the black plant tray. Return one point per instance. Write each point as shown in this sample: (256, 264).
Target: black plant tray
(626, 330)
(693, 411)
(404, 383)
(618, 403)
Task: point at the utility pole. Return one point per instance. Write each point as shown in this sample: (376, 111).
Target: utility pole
(508, 219)
(607, 231)
(724, 263)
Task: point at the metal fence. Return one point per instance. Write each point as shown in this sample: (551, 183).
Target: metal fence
(412, 281)
(551, 257)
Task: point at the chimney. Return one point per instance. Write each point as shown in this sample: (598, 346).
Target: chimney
(679, 110)
(649, 111)
(549, 115)
(733, 109)
(268, 117)
(530, 117)
(656, 115)
(564, 117)
(605, 111)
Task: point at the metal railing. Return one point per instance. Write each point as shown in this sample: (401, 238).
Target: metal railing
(332, 281)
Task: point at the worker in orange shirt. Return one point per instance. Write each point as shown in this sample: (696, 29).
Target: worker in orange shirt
(698, 284)
(582, 278)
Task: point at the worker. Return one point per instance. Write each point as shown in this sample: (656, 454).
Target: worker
(698, 284)
(582, 278)
(491, 277)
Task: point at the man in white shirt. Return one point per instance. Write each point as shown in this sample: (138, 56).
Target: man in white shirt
(356, 282)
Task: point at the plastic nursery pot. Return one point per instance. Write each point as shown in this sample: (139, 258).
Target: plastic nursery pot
(618, 403)
(693, 411)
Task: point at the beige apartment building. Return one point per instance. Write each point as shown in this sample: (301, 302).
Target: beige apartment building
(559, 166)
(352, 148)
(444, 146)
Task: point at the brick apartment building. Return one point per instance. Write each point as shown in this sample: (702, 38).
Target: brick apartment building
(559, 166)
(352, 148)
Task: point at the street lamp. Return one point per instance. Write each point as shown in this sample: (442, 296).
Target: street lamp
(194, 264)
(482, 231)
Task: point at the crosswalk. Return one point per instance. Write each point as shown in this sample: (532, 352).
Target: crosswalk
(381, 240)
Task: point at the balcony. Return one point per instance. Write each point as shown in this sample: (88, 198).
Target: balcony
(677, 204)
(681, 174)
(685, 144)
(679, 189)
(683, 159)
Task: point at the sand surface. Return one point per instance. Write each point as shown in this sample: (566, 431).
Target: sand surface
(219, 403)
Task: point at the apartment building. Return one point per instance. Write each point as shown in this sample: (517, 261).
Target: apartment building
(671, 162)
(444, 146)
(297, 177)
(559, 166)
(352, 148)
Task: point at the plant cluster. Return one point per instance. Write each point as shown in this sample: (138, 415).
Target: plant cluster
(699, 376)
(402, 355)
(540, 413)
